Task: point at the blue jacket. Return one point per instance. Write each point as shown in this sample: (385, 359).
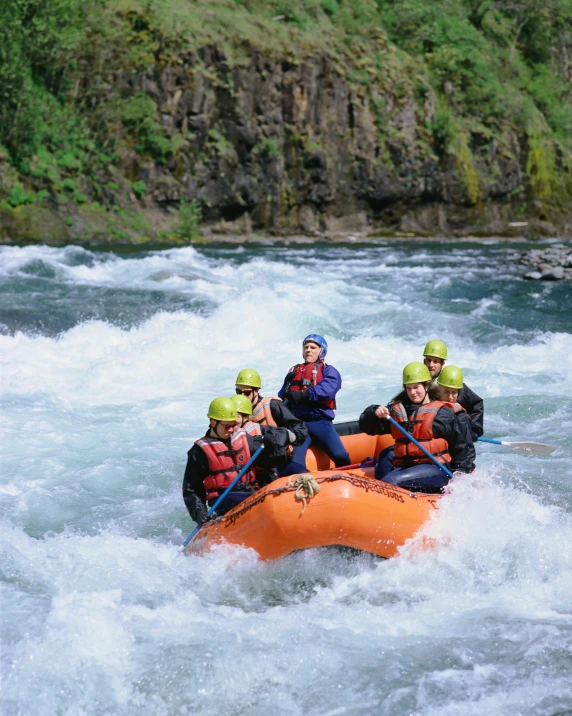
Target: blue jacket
(326, 389)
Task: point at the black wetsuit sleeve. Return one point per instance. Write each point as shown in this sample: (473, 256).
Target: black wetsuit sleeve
(276, 442)
(455, 428)
(194, 493)
(475, 407)
(372, 425)
(285, 419)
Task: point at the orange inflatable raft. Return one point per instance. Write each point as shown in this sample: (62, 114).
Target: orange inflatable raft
(351, 509)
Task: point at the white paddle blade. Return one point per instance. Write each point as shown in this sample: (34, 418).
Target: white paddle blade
(532, 448)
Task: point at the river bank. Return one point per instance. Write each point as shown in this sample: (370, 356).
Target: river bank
(256, 119)
(95, 228)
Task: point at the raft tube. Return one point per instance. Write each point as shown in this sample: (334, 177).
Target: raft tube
(351, 509)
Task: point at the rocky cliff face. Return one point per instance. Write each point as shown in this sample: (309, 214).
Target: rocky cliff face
(284, 144)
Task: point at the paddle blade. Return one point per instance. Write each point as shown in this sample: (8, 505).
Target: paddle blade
(532, 448)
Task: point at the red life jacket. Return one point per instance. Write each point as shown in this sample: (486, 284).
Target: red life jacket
(254, 429)
(305, 375)
(225, 462)
(262, 414)
(421, 428)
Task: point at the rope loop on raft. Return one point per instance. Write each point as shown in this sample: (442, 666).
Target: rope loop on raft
(306, 487)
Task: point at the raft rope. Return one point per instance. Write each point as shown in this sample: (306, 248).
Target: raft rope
(364, 483)
(306, 487)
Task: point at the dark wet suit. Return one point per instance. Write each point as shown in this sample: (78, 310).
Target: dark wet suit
(475, 407)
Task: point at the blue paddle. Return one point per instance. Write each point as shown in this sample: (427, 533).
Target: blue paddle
(416, 442)
(221, 497)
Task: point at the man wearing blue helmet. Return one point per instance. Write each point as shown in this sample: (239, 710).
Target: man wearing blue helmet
(310, 389)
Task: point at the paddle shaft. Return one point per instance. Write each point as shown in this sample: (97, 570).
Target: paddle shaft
(224, 494)
(416, 442)
(529, 448)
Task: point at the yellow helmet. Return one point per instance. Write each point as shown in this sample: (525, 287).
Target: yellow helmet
(416, 373)
(451, 377)
(250, 377)
(436, 349)
(242, 404)
(222, 409)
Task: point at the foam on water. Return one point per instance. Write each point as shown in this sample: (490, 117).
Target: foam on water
(101, 614)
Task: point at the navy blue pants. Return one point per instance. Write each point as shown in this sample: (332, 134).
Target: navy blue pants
(384, 464)
(322, 434)
(292, 468)
(424, 477)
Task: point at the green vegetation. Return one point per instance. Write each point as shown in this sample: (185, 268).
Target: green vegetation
(77, 122)
(267, 148)
(139, 117)
(188, 223)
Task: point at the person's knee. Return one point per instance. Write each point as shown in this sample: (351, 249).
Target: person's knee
(391, 477)
(342, 460)
(292, 468)
(384, 463)
(423, 478)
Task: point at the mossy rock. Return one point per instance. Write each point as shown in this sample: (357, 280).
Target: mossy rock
(33, 225)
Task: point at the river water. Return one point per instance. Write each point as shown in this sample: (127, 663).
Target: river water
(108, 365)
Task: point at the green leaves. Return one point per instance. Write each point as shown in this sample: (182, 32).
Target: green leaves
(139, 118)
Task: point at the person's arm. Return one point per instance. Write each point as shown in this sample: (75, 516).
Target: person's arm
(475, 407)
(284, 418)
(194, 493)
(275, 441)
(455, 428)
(372, 425)
(289, 376)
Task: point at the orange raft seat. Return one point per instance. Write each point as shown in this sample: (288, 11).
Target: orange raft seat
(351, 509)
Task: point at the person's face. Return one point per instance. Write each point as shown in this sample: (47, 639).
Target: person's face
(242, 420)
(434, 364)
(449, 395)
(247, 390)
(311, 352)
(416, 392)
(223, 429)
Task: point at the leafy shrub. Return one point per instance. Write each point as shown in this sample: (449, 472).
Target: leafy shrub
(139, 117)
(139, 189)
(189, 220)
(540, 166)
(443, 127)
(19, 196)
(268, 148)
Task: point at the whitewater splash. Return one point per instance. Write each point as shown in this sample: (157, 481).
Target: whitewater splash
(108, 364)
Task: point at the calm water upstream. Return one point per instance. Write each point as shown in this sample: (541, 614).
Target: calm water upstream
(108, 364)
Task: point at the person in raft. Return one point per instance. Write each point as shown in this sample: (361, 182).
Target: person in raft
(310, 389)
(442, 427)
(216, 459)
(434, 357)
(246, 424)
(272, 412)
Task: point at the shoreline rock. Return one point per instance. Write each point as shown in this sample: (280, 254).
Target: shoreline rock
(551, 264)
